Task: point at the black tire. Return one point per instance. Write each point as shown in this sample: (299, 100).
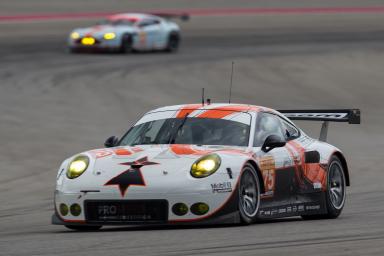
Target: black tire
(83, 228)
(126, 44)
(173, 42)
(336, 191)
(249, 195)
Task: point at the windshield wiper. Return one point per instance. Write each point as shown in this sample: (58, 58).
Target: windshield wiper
(173, 137)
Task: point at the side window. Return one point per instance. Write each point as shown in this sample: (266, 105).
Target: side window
(267, 124)
(144, 133)
(290, 131)
(148, 22)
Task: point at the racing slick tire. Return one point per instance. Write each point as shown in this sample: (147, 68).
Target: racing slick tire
(83, 228)
(126, 44)
(336, 191)
(249, 195)
(173, 42)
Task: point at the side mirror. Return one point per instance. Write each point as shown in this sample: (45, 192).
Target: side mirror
(271, 142)
(111, 142)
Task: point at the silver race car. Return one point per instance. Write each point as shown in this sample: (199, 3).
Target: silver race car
(129, 32)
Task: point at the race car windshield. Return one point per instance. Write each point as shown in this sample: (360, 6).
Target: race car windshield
(193, 131)
(118, 22)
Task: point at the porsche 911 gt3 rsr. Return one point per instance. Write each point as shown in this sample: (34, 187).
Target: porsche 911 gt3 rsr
(128, 32)
(217, 163)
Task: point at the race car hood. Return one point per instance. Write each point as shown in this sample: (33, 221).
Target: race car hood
(154, 166)
(161, 152)
(99, 30)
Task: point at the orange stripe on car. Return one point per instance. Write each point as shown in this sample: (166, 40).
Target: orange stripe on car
(313, 172)
(179, 149)
(187, 109)
(221, 112)
(295, 162)
(122, 152)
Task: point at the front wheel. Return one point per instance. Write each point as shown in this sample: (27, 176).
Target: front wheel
(249, 194)
(126, 44)
(336, 191)
(83, 228)
(173, 42)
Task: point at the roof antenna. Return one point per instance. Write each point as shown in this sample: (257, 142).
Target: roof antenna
(230, 85)
(202, 96)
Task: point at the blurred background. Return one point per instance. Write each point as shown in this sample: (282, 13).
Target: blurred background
(287, 54)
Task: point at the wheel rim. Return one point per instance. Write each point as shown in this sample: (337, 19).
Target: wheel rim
(127, 44)
(249, 193)
(336, 184)
(173, 43)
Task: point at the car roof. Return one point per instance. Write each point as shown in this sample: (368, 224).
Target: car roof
(131, 16)
(215, 106)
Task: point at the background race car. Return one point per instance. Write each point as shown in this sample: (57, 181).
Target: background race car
(128, 32)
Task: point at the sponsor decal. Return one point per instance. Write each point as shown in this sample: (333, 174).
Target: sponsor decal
(288, 210)
(317, 115)
(317, 185)
(107, 210)
(130, 177)
(267, 213)
(267, 166)
(142, 38)
(312, 207)
(222, 187)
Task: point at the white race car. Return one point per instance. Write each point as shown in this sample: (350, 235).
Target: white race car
(128, 32)
(217, 163)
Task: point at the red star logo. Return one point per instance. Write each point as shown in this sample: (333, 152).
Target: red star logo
(130, 177)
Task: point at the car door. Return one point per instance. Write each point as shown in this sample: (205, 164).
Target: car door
(276, 165)
(295, 150)
(309, 174)
(149, 33)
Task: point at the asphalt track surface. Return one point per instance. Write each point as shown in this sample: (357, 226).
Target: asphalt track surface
(53, 105)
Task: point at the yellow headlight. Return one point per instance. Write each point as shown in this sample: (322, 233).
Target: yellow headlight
(109, 36)
(78, 165)
(75, 35)
(88, 41)
(205, 166)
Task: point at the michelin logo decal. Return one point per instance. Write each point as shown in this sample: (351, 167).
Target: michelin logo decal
(222, 187)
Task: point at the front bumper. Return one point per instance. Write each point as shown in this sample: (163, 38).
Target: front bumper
(222, 207)
(99, 45)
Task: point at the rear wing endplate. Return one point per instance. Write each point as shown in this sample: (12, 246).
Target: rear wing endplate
(352, 116)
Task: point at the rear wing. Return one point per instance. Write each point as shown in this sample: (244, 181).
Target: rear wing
(181, 16)
(352, 116)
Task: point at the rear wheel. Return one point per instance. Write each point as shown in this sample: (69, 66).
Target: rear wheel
(173, 42)
(126, 44)
(249, 194)
(83, 228)
(336, 191)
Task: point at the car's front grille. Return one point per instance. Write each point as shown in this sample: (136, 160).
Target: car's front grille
(126, 211)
